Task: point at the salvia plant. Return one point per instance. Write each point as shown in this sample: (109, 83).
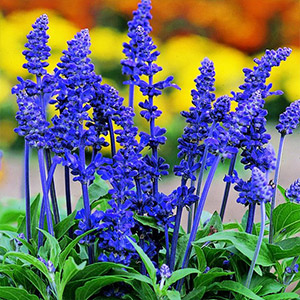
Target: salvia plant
(126, 239)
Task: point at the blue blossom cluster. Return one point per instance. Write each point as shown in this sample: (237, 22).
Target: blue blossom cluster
(197, 119)
(138, 29)
(293, 270)
(38, 50)
(33, 125)
(48, 264)
(255, 190)
(289, 120)
(256, 79)
(33, 97)
(293, 192)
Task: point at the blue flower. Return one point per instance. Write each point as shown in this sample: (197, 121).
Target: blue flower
(38, 51)
(289, 120)
(255, 190)
(165, 271)
(31, 117)
(256, 79)
(293, 192)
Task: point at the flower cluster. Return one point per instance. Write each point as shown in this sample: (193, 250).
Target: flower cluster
(38, 50)
(293, 192)
(255, 190)
(289, 120)
(256, 79)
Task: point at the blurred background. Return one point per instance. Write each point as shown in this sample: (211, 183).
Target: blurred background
(229, 32)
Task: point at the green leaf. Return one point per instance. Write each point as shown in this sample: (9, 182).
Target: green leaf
(282, 191)
(97, 189)
(34, 218)
(95, 285)
(281, 296)
(180, 250)
(146, 260)
(36, 281)
(10, 216)
(53, 246)
(147, 221)
(233, 286)
(245, 243)
(6, 227)
(204, 217)
(200, 258)
(145, 291)
(179, 274)
(285, 249)
(12, 293)
(31, 260)
(195, 294)
(268, 283)
(68, 249)
(214, 222)
(286, 220)
(63, 226)
(173, 295)
(235, 225)
(102, 202)
(70, 269)
(268, 209)
(206, 279)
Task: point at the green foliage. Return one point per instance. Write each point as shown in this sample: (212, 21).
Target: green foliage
(24, 276)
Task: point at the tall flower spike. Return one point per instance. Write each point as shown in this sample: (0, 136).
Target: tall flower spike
(289, 120)
(256, 79)
(38, 50)
(293, 192)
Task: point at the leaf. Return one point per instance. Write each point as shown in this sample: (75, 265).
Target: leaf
(32, 260)
(195, 294)
(10, 216)
(95, 285)
(70, 269)
(205, 216)
(179, 274)
(206, 279)
(173, 295)
(282, 191)
(97, 189)
(281, 296)
(12, 293)
(245, 243)
(214, 222)
(268, 283)
(68, 249)
(63, 226)
(234, 225)
(285, 249)
(26, 276)
(147, 221)
(34, 218)
(233, 286)
(146, 260)
(146, 291)
(268, 209)
(102, 202)
(286, 220)
(200, 258)
(180, 250)
(54, 247)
